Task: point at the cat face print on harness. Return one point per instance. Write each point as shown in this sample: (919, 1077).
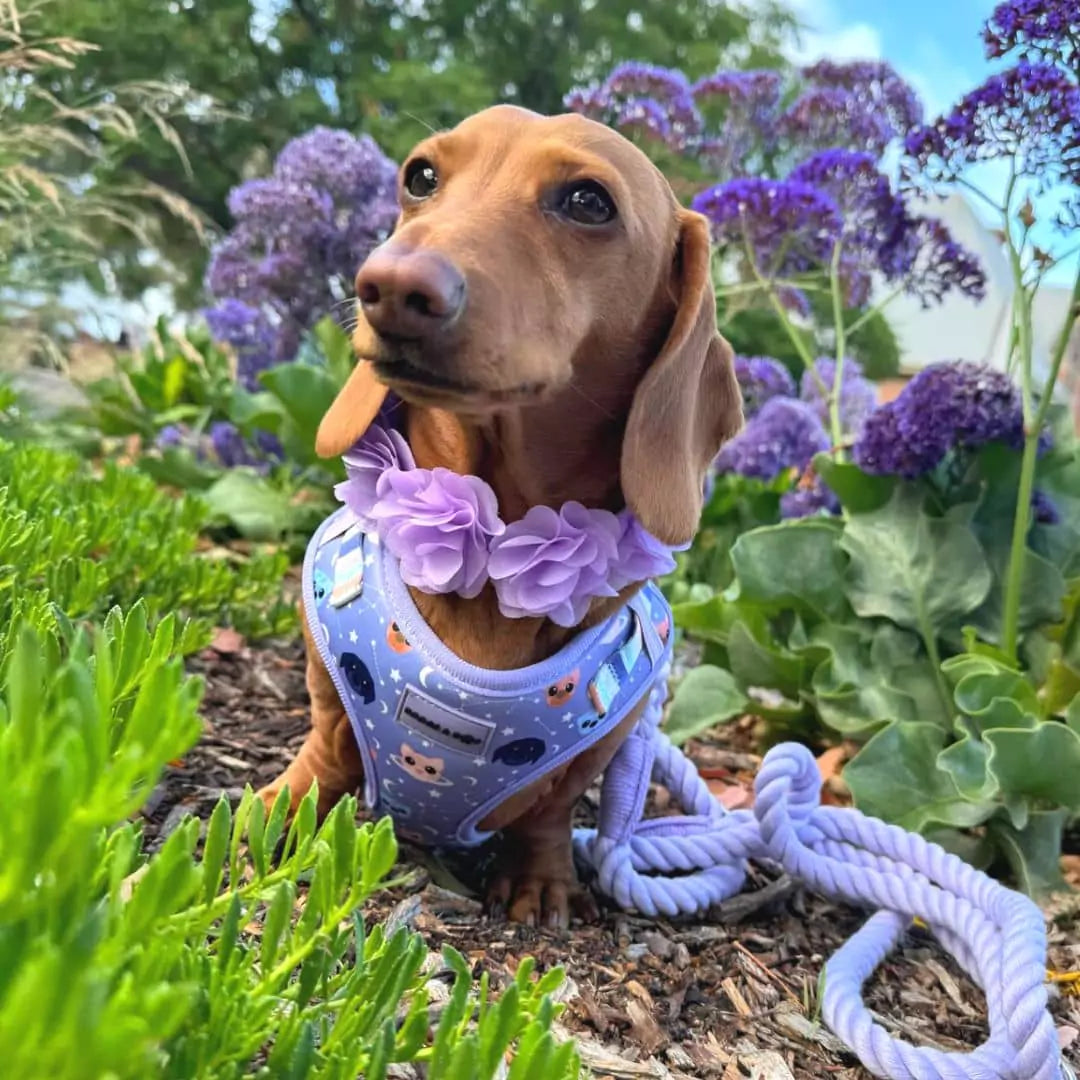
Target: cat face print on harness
(396, 639)
(428, 770)
(562, 690)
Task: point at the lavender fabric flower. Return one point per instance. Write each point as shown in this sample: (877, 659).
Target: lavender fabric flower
(1039, 29)
(554, 562)
(640, 555)
(438, 524)
(299, 237)
(379, 450)
(945, 406)
(761, 378)
(858, 395)
(785, 434)
(1029, 113)
(789, 226)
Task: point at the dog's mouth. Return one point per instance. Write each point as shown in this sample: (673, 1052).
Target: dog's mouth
(396, 365)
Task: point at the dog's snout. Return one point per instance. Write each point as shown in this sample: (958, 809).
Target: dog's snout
(409, 293)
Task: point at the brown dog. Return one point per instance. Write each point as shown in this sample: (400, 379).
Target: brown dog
(545, 309)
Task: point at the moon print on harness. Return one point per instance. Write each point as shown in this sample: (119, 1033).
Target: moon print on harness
(520, 752)
(428, 770)
(358, 677)
(562, 690)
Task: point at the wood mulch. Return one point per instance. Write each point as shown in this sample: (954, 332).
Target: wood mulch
(732, 995)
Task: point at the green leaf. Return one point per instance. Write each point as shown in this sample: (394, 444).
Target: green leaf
(706, 696)
(966, 762)
(896, 777)
(1072, 715)
(1041, 763)
(306, 393)
(259, 511)
(923, 573)
(1034, 855)
(794, 565)
(997, 700)
(858, 492)
(336, 348)
(763, 662)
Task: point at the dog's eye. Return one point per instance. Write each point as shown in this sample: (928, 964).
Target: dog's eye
(421, 179)
(588, 203)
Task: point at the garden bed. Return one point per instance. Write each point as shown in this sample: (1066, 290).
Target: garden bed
(731, 995)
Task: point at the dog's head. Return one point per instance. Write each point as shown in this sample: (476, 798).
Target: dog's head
(537, 258)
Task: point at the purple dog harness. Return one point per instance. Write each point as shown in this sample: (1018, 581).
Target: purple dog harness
(444, 743)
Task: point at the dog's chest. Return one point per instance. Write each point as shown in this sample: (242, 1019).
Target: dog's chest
(444, 742)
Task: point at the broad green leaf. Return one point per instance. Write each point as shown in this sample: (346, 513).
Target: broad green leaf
(306, 393)
(1072, 715)
(765, 663)
(1041, 764)
(705, 697)
(923, 573)
(966, 762)
(896, 777)
(858, 492)
(1034, 854)
(336, 348)
(998, 700)
(248, 501)
(793, 565)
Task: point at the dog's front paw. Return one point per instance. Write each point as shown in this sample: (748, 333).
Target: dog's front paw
(535, 900)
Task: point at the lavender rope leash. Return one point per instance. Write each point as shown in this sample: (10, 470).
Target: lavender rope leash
(682, 865)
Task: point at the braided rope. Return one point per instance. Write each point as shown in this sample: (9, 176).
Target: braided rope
(682, 865)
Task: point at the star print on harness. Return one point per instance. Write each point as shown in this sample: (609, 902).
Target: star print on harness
(445, 742)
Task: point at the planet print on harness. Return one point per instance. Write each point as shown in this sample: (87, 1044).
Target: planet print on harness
(428, 770)
(562, 690)
(358, 677)
(396, 639)
(520, 752)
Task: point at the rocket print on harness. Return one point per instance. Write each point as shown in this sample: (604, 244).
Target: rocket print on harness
(349, 569)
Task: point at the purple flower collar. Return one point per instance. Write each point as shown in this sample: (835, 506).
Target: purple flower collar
(445, 531)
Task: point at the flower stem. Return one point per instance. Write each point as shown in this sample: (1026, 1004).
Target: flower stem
(837, 430)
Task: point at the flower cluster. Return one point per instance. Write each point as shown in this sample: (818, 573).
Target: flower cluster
(945, 406)
(1038, 29)
(761, 378)
(225, 444)
(788, 227)
(1029, 113)
(857, 396)
(445, 531)
(785, 434)
(299, 237)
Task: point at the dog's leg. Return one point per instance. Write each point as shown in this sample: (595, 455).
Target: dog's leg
(539, 884)
(329, 753)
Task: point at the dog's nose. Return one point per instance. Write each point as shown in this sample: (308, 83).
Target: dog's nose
(409, 293)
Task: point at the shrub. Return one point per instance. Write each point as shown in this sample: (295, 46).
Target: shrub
(924, 600)
(74, 544)
(228, 963)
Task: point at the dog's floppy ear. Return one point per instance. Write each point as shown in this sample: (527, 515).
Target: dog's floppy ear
(686, 405)
(351, 413)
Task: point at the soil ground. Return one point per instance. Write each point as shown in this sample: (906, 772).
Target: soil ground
(731, 995)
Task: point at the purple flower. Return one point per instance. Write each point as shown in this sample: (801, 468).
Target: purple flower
(1044, 509)
(229, 445)
(1041, 29)
(640, 555)
(761, 378)
(1030, 113)
(751, 93)
(786, 434)
(645, 116)
(823, 117)
(741, 107)
(945, 406)
(379, 450)
(876, 89)
(793, 300)
(873, 217)
(858, 395)
(789, 226)
(298, 239)
(170, 435)
(554, 563)
(438, 524)
(808, 499)
(932, 263)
